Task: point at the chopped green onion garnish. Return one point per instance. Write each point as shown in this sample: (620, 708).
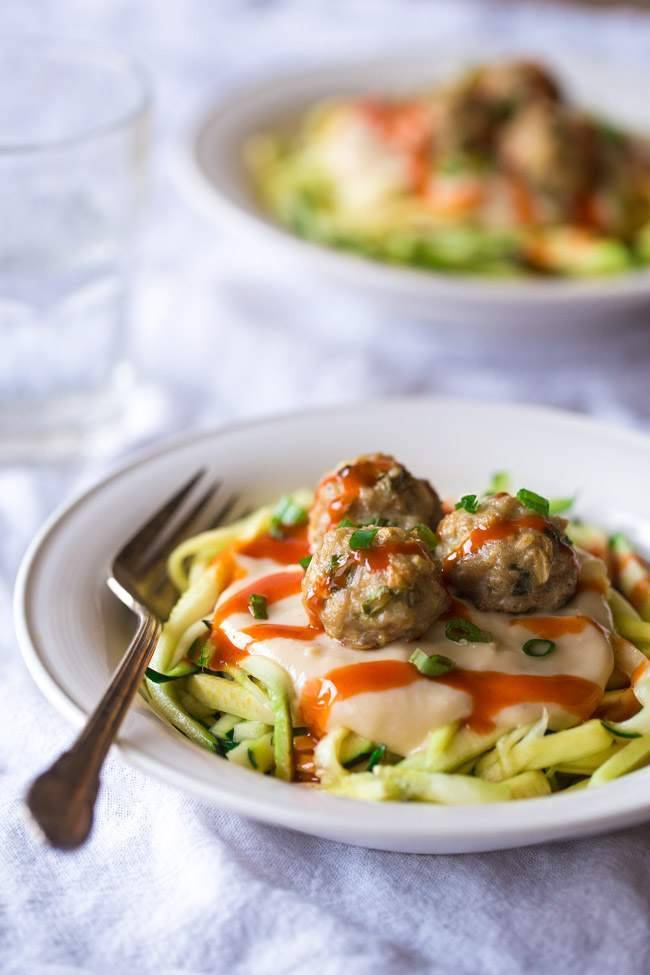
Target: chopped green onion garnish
(376, 756)
(258, 606)
(469, 502)
(363, 538)
(620, 734)
(534, 501)
(459, 630)
(538, 648)
(286, 514)
(499, 482)
(305, 562)
(433, 665)
(557, 506)
(347, 523)
(379, 601)
(427, 536)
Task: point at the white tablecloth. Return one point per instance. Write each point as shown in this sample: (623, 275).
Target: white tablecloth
(169, 884)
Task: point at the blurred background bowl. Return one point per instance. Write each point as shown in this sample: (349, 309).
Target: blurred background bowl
(216, 179)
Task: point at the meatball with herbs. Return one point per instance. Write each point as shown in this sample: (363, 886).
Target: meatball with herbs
(506, 556)
(373, 489)
(371, 586)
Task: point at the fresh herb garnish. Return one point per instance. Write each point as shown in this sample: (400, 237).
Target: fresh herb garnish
(535, 502)
(378, 601)
(258, 606)
(305, 562)
(433, 665)
(538, 648)
(558, 506)
(459, 630)
(468, 502)
(286, 514)
(499, 482)
(426, 535)
(376, 756)
(347, 523)
(363, 538)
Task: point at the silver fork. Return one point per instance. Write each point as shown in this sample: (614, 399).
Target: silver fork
(61, 800)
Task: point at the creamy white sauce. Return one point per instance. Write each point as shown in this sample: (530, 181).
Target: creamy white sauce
(402, 717)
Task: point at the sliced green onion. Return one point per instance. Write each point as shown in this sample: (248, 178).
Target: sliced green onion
(376, 756)
(258, 606)
(378, 601)
(363, 538)
(558, 506)
(158, 678)
(499, 482)
(458, 630)
(205, 654)
(286, 514)
(468, 502)
(538, 648)
(433, 665)
(620, 734)
(426, 535)
(305, 562)
(534, 501)
(347, 523)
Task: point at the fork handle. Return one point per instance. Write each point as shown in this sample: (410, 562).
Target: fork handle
(61, 800)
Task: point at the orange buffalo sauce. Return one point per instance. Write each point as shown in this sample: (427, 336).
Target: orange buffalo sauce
(348, 482)
(553, 627)
(481, 536)
(490, 691)
(288, 550)
(320, 693)
(274, 587)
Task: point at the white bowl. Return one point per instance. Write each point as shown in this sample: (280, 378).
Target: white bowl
(218, 183)
(72, 631)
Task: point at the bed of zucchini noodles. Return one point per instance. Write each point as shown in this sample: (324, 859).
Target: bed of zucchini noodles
(246, 712)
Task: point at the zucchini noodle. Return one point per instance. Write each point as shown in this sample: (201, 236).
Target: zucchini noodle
(248, 712)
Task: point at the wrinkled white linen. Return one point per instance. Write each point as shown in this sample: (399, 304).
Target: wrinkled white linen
(169, 884)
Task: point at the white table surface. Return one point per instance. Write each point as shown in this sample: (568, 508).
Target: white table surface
(169, 884)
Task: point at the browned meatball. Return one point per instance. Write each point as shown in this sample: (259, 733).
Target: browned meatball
(504, 557)
(468, 115)
(549, 147)
(368, 597)
(374, 488)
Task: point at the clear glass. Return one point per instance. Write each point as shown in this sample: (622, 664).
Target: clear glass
(73, 139)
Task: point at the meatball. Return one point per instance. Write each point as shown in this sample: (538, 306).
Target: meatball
(368, 597)
(504, 557)
(550, 148)
(374, 488)
(468, 115)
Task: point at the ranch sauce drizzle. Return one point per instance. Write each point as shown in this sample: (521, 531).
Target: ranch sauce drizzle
(381, 696)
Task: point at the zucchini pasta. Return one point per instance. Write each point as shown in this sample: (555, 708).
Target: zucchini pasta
(372, 641)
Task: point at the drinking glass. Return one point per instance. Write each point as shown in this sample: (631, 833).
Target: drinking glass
(73, 135)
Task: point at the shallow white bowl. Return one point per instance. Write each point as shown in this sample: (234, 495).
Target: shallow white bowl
(216, 179)
(72, 631)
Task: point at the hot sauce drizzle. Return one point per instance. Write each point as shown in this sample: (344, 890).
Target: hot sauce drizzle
(553, 627)
(288, 550)
(481, 536)
(349, 480)
(490, 691)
